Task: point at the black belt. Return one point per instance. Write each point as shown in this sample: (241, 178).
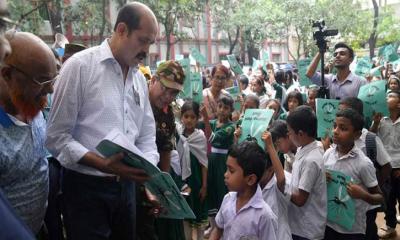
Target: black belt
(103, 179)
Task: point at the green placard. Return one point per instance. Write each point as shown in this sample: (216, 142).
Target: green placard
(187, 86)
(302, 66)
(373, 96)
(256, 64)
(160, 184)
(200, 58)
(179, 57)
(326, 113)
(341, 207)
(235, 94)
(254, 123)
(389, 52)
(197, 87)
(234, 64)
(363, 66)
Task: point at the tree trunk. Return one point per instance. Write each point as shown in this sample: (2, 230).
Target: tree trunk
(103, 23)
(233, 43)
(373, 37)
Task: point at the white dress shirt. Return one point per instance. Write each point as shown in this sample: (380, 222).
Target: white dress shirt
(389, 133)
(91, 98)
(360, 168)
(255, 220)
(308, 174)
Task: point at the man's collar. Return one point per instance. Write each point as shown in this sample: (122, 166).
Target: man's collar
(105, 51)
(348, 78)
(5, 120)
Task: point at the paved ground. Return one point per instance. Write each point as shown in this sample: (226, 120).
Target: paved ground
(381, 222)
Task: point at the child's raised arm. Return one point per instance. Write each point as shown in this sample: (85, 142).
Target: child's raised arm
(276, 164)
(207, 126)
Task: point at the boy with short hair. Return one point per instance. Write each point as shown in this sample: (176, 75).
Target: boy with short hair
(388, 129)
(347, 158)
(284, 145)
(373, 148)
(308, 211)
(274, 184)
(243, 213)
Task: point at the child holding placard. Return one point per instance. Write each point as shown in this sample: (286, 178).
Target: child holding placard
(220, 135)
(388, 129)
(359, 179)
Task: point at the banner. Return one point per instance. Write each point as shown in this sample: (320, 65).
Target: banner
(235, 94)
(373, 96)
(200, 58)
(234, 64)
(197, 87)
(326, 113)
(341, 207)
(187, 86)
(255, 122)
(302, 66)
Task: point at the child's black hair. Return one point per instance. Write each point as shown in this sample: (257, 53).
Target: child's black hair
(226, 100)
(244, 80)
(353, 103)
(253, 98)
(278, 129)
(280, 76)
(191, 105)
(344, 45)
(293, 94)
(355, 118)
(303, 118)
(251, 158)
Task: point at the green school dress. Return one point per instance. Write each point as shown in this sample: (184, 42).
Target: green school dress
(221, 141)
(283, 116)
(194, 181)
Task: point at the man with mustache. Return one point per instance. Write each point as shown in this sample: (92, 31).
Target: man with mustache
(345, 83)
(27, 76)
(100, 89)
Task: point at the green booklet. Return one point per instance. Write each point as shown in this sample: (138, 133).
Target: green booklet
(341, 207)
(197, 87)
(326, 113)
(187, 86)
(234, 64)
(363, 66)
(235, 94)
(160, 184)
(200, 58)
(255, 122)
(373, 96)
(302, 65)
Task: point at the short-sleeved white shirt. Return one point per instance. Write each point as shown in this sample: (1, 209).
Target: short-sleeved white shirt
(360, 168)
(279, 205)
(255, 220)
(382, 156)
(308, 174)
(389, 132)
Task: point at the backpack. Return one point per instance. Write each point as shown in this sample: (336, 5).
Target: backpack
(370, 145)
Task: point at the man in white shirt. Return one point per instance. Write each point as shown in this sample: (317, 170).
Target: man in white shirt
(98, 90)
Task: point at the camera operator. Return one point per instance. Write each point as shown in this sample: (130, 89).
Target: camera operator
(345, 83)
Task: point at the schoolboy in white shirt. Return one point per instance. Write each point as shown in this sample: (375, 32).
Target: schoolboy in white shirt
(308, 211)
(243, 213)
(347, 158)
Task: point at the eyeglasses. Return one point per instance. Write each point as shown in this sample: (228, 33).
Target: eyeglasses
(41, 84)
(220, 78)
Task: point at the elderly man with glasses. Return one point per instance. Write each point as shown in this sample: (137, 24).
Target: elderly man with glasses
(27, 76)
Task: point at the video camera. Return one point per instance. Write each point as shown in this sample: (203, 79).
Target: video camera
(322, 32)
(320, 37)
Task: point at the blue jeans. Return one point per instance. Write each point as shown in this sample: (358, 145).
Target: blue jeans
(98, 208)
